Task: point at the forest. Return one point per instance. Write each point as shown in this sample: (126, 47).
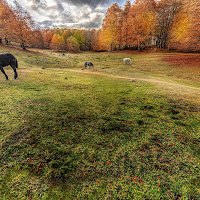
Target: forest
(164, 24)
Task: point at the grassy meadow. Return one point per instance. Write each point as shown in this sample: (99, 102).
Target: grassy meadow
(113, 132)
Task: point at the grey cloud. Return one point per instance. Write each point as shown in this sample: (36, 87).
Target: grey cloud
(94, 24)
(45, 24)
(37, 4)
(60, 7)
(83, 14)
(73, 23)
(91, 3)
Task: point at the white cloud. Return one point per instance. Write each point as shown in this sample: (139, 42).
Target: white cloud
(66, 13)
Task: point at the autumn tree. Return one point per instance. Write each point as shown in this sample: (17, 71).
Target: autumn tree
(37, 41)
(124, 28)
(66, 34)
(57, 42)
(101, 42)
(7, 20)
(166, 10)
(47, 37)
(72, 44)
(23, 27)
(81, 39)
(111, 28)
(95, 40)
(141, 23)
(88, 35)
(62, 43)
(185, 32)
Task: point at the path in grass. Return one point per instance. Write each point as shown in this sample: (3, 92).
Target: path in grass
(150, 69)
(182, 91)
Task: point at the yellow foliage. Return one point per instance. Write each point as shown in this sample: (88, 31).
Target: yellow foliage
(181, 29)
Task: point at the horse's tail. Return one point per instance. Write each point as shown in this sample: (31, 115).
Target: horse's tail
(16, 64)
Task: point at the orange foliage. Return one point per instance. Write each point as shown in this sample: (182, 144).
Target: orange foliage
(111, 28)
(7, 19)
(185, 32)
(165, 23)
(124, 28)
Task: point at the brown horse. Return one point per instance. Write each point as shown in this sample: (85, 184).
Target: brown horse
(8, 59)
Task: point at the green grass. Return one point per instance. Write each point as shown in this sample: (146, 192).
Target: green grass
(68, 134)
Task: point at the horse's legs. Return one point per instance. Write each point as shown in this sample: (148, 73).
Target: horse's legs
(4, 72)
(15, 71)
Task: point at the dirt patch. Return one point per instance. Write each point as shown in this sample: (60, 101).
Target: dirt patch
(132, 52)
(184, 60)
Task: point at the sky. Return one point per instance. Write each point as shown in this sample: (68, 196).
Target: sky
(72, 14)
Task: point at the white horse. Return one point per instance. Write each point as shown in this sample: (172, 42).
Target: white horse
(68, 55)
(127, 60)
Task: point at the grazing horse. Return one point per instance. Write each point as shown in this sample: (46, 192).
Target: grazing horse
(127, 60)
(8, 59)
(89, 64)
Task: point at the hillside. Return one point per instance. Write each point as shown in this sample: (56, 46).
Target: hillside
(115, 132)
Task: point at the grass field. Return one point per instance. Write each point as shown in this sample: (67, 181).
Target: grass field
(115, 132)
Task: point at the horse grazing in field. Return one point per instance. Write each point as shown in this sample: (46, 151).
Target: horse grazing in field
(89, 64)
(127, 60)
(8, 59)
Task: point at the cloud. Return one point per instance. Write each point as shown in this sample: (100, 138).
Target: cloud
(80, 14)
(91, 3)
(86, 19)
(62, 14)
(37, 4)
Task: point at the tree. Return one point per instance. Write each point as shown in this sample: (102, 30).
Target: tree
(47, 37)
(88, 35)
(95, 40)
(72, 44)
(166, 10)
(124, 28)
(38, 41)
(7, 20)
(23, 26)
(141, 23)
(111, 28)
(67, 33)
(80, 37)
(58, 42)
(185, 32)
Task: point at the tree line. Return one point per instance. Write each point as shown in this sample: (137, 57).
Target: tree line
(17, 26)
(172, 24)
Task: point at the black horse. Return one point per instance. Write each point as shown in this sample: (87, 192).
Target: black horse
(8, 59)
(89, 64)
